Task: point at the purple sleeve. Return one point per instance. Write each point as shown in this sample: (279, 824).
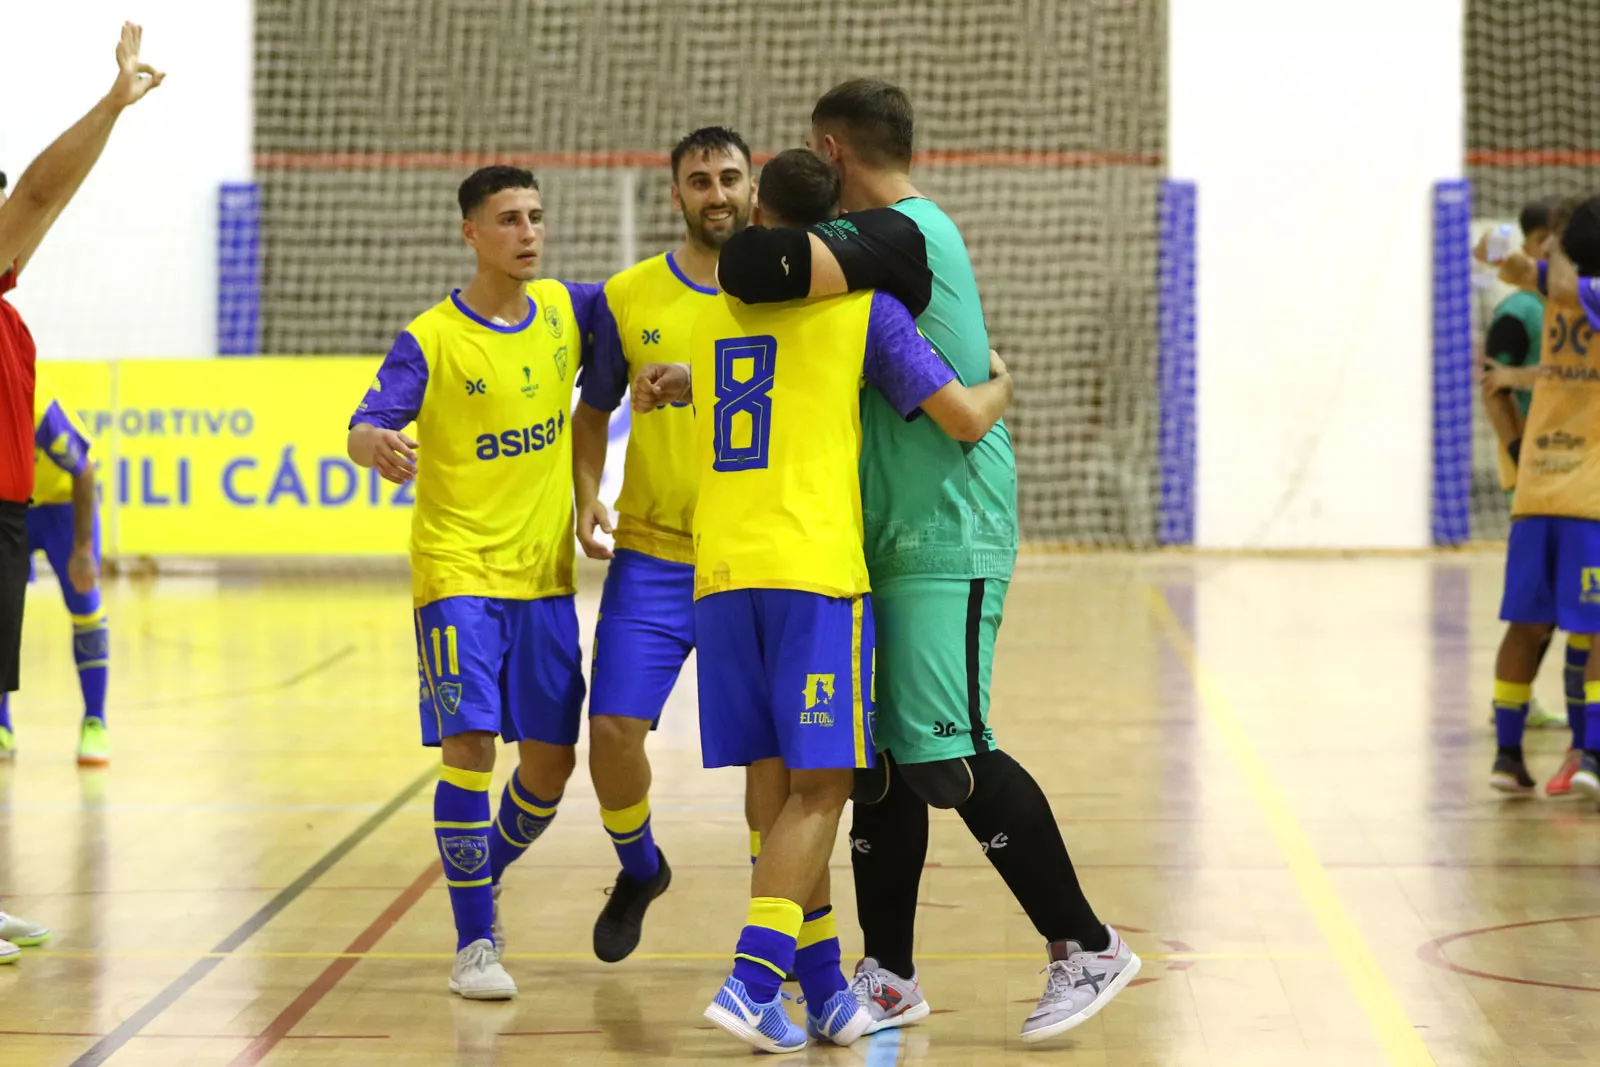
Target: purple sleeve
(604, 381)
(901, 363)
(396, 395)
(1589, 297)
(1544, 278)
(60, 440)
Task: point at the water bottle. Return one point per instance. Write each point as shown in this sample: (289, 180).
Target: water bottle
(1501, 240)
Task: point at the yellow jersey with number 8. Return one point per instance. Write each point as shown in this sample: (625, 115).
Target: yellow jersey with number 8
(777, 399)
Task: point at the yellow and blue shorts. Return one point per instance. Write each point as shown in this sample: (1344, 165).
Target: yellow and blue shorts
(511, 667)
(644, 633)
(785, 673)
(1553, 573)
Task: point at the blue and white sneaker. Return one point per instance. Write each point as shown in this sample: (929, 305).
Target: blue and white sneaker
(766, 1026)
(842, 1021)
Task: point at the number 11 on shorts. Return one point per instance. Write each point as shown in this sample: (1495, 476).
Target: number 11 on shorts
(450, 644)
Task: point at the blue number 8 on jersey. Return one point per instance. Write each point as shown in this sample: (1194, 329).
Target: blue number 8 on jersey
(745, 370)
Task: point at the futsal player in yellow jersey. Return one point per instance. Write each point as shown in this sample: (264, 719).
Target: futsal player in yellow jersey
(487, 375)
(783, 618)
(646, 626)
(1553, 559)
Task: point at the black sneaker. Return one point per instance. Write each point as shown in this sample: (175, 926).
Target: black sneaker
(616, 932)
(1510, 774)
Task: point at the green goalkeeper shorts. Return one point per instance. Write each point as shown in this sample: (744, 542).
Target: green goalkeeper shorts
(935, 657)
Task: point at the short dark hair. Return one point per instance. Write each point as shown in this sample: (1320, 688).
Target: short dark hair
(799, 187)
(1580, 239)
(484, 182)
(708, 139)
(2, 180)
(1536, 215)
(877, 117)
(1560, 211)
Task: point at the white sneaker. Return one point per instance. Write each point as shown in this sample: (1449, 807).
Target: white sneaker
(19, 931)
(9, 953)
(891, 1000)
(478, 975)
(1079, 984)
(1542, 718)
(496, 930)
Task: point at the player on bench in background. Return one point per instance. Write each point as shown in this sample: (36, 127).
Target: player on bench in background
(1512, 343)
(42, 192)
(487, 375)
(1553, 559)
(645, 629)
(783, 612)
(64, 524)
(941, 540)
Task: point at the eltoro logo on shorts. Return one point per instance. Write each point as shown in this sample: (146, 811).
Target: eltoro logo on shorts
(1591, 586)
(819, 701)
(466, 853)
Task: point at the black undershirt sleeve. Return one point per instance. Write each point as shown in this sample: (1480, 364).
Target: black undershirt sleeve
(762, 266)
(881, 248)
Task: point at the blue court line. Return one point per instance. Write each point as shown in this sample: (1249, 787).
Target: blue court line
(883, 1048)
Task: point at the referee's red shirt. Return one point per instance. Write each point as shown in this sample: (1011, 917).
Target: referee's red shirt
(16, 399)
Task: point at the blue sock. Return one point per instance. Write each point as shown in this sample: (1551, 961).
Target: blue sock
(816, 960)
(5, 711)
(1572, 675)
(1511, 712)
(631, 837)
(91, 649)
(520, 821)
(765, 954)
(461, 825)
(1591, 718)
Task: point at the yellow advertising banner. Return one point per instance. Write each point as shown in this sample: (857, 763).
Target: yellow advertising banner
(232, 457)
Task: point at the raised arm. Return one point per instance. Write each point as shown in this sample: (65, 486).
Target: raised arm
(880, 248)
(51, 180)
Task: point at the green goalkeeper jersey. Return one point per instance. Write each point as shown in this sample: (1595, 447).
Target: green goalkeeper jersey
(933, 507)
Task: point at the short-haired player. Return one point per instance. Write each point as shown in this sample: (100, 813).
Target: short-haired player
(487, 375)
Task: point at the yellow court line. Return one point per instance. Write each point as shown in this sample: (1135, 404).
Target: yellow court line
(174, 954)
(1392, 1027)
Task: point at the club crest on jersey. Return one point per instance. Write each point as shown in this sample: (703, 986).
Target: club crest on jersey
(819, 701)
(528, 386)
(466, 854)
(552, 319)
(448, 694)
(561, 362)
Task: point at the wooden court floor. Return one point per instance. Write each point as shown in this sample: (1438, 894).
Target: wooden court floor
(1271, 773)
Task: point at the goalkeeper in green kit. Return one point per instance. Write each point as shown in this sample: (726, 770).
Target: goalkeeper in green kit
(941, 542)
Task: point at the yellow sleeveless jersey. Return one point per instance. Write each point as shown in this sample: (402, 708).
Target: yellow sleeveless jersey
(1559, 470)
(777, 392)
(655, 306)
(493, 516)
(61, 448)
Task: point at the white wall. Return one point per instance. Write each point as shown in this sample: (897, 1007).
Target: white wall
(1314, 132)
(130, 268)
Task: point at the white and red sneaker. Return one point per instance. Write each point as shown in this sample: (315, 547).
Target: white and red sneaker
(1079, 984)
(1560, 784)
(891, 1000)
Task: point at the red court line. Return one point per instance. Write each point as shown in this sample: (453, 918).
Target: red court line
(301, 1006)
(1533, 157)
(1432, 952)
(198, 1037)
(992, 157)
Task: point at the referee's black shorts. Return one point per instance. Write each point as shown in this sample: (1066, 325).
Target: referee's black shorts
(13, 588)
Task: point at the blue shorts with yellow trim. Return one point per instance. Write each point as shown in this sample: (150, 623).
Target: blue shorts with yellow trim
(785, 673)
(50, 530)
(510, 667)
(644, 633)
(1553, 573)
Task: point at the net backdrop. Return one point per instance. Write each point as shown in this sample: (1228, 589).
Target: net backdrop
(1533, 131)
(1041, 127)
